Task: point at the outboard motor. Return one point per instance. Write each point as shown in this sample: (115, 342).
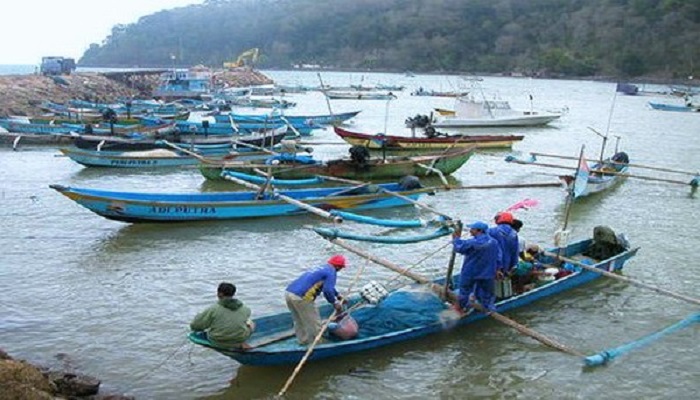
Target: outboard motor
(621, 158)
(410, 182)
(359, 155)
(605, 244)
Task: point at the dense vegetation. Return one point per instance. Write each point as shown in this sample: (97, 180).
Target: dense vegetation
(625, 38)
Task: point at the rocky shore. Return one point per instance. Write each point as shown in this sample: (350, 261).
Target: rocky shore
(23, 94)
(20, 380)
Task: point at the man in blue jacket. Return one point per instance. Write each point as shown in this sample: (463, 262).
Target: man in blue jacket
(302, 293)
(477, 278)
(508, 241)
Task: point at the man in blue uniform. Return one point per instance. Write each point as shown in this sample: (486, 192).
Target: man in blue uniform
(508, 241)
(477, 278)
(302, 293)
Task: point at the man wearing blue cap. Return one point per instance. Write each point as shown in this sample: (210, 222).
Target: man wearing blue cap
(478, 275)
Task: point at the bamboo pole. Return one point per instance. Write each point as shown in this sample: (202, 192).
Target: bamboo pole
(505, 186)
(287, 199)
(317, 338)
(452, 298)
(621, 174)
(664, 169)
(627, 280)
(400, 196)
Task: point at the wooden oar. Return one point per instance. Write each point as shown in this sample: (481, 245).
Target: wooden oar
(317, 338)
(294, 202)
(622, 174)
(626, 279)
(451, 263)
(630, 164)
(452, 298)
(188, 152)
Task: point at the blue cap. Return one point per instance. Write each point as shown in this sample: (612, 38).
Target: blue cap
(479, 225)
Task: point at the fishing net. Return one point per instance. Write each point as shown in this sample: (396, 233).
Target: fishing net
(402, 309)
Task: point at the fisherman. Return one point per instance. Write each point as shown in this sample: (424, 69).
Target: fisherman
(226, 323)
(528, 268)
(477, 278)
(507, 239)
(302, 292)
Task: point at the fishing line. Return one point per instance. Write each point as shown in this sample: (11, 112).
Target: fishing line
(152, 370)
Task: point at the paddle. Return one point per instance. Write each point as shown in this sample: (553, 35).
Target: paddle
(317, 338)
(452, 298)
(303, 206)
(626, 279)
(451, 263)
(664, 169)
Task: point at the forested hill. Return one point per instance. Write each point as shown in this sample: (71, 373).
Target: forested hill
(623, 38)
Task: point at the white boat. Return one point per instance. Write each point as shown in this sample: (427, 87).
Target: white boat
(470, 112)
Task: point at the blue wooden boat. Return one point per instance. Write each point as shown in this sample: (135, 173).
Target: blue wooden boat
(602, 176)
(674, 107)
(170, 207)
(298, 121)
(273, 342)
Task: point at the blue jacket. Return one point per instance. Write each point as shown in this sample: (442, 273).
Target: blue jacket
(507, 239)
(481, 255)
(314, 281)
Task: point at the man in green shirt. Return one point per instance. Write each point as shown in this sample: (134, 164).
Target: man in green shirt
(227, 323)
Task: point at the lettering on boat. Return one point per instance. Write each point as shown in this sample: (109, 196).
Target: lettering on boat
(192, 210)
(134, 162)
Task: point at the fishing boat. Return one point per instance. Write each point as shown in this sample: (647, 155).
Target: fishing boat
(408, 143)
(599, 177)
(473, 113)
(368, 169)
(320, 120)
(197, 143)
(359, 95)
(405, 314)
(172, 207)
(674, 107)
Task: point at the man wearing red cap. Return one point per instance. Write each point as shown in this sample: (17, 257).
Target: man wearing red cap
(507, 239)
(302, 293)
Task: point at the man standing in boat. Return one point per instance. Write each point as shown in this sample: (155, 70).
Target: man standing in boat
(227, 323)
(507, 239)
(302, 292)
(478, 275)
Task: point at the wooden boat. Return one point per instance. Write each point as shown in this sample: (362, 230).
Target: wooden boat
(602, 176)
(197, 143)
(396, 143)
(170, 207)
(359, 95)
(446, 162)
(320, 120)
(436, 93)
(274, 343)
(674, 107)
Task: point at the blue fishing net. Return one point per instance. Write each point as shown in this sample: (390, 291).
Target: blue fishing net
(400, 310)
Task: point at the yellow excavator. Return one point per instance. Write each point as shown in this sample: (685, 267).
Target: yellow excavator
(247, 58)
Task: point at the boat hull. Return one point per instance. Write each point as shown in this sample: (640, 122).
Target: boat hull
(165, 207)
(446, 163)
(288, 352)
(404, 143)
(523, 121)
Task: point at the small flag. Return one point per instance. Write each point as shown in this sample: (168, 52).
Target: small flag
(581, 178)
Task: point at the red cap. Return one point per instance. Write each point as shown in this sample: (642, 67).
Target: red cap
(337, 260)
(504, 218)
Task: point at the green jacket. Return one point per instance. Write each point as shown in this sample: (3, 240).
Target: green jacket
(224, 322)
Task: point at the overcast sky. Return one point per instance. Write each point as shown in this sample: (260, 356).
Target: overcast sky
(31, 29)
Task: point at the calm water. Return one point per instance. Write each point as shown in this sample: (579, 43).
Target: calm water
(116, 299)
